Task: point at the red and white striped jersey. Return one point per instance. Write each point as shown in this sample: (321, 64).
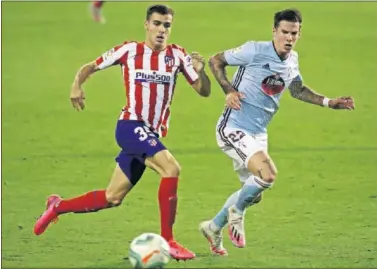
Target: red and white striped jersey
(149, 78)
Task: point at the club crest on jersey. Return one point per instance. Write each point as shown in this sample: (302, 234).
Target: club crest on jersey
(152, 142)
(273, 84)
(188, 60)
(169, 61)
(152, 77)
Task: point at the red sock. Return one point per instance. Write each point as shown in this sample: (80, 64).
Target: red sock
(98, 4)
(167, 198)
(89, 202)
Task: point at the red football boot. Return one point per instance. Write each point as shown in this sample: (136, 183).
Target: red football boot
(178, 252)
(48, 216)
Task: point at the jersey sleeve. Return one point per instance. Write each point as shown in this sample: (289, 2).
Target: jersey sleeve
(298, 77)
(111, 57)
(241, 55)
(297, 80)
(187, 68)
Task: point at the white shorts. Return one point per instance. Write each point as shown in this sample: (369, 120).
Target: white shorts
(240, 145)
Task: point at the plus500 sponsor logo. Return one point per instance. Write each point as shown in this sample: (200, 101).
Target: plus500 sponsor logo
(153, 77)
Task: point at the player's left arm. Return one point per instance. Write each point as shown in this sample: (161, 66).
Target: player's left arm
(302, 92)
(202, 85)
(192, 67)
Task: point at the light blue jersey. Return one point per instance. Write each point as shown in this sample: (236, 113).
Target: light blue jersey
(262, 77)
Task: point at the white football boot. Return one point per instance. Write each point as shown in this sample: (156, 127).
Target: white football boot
(236, 227)
(215, 239)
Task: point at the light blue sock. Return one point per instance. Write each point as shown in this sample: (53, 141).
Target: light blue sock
(221, 219)
(251, 189)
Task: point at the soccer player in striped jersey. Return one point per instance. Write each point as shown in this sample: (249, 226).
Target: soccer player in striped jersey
(150, 70)
(265, 69)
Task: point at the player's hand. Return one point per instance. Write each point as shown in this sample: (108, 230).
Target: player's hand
(77, 98)
(197, 61)
(233, 100)
(344, 102)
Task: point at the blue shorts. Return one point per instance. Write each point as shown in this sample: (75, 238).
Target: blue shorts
(137, 142)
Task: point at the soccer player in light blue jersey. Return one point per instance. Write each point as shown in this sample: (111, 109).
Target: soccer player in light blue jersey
(265, 70)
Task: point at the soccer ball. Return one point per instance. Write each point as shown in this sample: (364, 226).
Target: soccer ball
(149, 250)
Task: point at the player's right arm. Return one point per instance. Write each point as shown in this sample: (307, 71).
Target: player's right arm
(240, 56)
(111, 57)
(77, 94)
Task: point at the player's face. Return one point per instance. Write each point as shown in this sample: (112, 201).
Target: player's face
(286, 36)
(158, 29)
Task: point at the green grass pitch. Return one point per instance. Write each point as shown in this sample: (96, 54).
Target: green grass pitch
(321, 211)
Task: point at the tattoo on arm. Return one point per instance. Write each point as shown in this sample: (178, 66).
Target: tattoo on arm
(203, 84)
(217, 65)
(305, 94)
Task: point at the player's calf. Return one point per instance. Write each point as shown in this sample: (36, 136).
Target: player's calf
(257, 200)
(264, 174)
(166, 165)
(250, 193)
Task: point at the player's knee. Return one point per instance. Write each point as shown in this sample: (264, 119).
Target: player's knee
(114, 199)
(171, 169)
(274, 176)
(114, 202)
(269, 177)
(268, 174)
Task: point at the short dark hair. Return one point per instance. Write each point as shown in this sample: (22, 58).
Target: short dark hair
(291, 15)
(160, 9)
